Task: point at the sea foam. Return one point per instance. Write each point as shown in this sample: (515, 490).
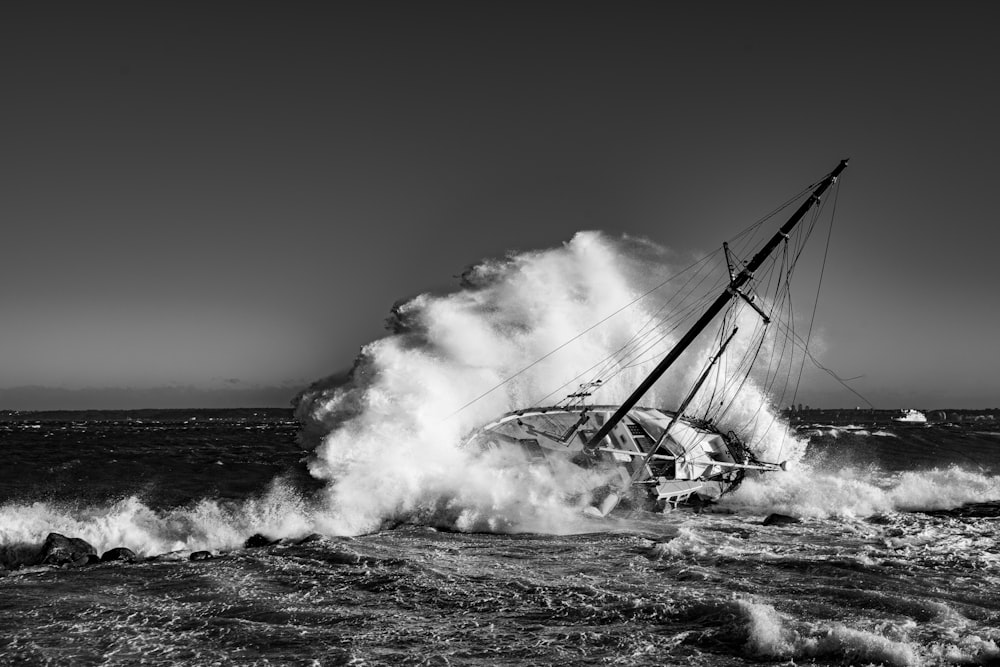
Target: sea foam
(810, 491)
(209, 524)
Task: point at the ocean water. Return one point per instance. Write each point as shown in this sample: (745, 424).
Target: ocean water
(388, 543)
(895, 560)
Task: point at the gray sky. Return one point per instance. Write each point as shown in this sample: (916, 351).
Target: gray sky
(195, 195)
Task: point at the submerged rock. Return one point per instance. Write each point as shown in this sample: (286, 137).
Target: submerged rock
(61, 550)
(257, 540)
(119, 553)
(201, 555)
(780, 520)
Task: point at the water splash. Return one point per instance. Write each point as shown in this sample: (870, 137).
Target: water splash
(211, 525)
(810, 491)
(388, 441)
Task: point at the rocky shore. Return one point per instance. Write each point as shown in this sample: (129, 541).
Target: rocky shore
(60, 551)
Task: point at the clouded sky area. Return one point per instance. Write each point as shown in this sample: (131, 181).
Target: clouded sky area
(202, 193)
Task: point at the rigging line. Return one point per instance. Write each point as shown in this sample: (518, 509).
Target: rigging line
(746, 377)
(619, 360)
(812, 225)
(776, 413)
(648, 328)
(612, 365)
(715, 376)
(832, 374)
(674, 319)
(608, 373)
(743, 369)
(635, 364)
(737, 309)
(787, 340)
(822, 270)
(585, 331)
(760, 332)
(598, 323)
(617, 357)
(780, 354)
(800, 243)
(748, 245)
(722, 368)
(776, 353)
(702, 373)
(635, 358)
(784, 389)
(629, 360)
(712, 411)
(641, 333)
(570, 381)
(765, 276)
(782, 301)
(774, 212)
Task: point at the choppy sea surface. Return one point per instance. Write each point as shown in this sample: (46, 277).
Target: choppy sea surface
(895, 558)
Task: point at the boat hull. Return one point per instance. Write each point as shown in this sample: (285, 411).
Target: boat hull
(693, 462)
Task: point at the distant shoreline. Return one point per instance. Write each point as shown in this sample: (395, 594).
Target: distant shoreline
(238, 396)
(887, 411)
(137, 414)
(839, 415)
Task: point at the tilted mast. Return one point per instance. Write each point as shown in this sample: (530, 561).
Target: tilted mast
(732, 291)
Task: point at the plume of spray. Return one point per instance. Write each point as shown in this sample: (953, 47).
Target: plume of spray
(388, 440)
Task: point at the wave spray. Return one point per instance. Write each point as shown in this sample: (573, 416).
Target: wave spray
(388, 442)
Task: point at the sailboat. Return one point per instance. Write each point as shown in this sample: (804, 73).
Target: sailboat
(654, 458)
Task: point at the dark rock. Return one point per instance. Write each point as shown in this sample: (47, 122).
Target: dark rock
(780, 520)
(257, 540)
(345, 558)
(201, 555)
(312, 537)
(119, 553)
(61, 550)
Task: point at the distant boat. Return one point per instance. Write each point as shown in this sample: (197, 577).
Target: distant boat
(653, 457)
(911, 417)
